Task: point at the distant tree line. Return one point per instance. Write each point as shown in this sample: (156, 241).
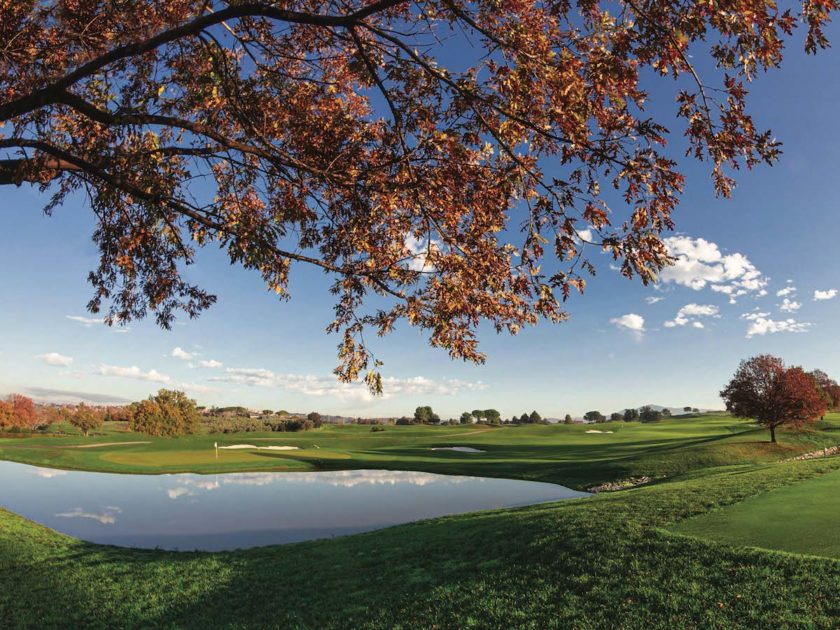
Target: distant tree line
(266, 423)
(20, 413)
(255, 425)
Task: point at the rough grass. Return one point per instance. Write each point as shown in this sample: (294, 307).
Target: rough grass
(592, 563)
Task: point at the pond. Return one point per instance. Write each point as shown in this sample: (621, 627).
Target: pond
(239, 510)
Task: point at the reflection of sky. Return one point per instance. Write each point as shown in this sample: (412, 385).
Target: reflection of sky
(338, 479)
(47, 473)
(189, 511)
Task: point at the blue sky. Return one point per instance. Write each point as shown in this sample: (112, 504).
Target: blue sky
(778, 233)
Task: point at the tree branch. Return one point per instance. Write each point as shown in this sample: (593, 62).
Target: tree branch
(47, 94)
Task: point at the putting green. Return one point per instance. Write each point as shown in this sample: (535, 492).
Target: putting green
(803, 518)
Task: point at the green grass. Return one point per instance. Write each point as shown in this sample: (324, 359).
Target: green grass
(804, 518)
(560, 454)
(616, 560)
(593, 563)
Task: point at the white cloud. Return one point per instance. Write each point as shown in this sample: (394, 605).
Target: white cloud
(631, 322)
(586, 235)
(55, 359)
(789, 306)
(828, 294)
(652, 299)
(329, 386)
(760, 324)
(197, 387)
(87, 322)
(418, 252)
(689, 313)
(787, 291)
(180, 353)
(700, 263)
(133, 372)
(210, 363)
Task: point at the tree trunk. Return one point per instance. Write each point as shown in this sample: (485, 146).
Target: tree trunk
(773, 434)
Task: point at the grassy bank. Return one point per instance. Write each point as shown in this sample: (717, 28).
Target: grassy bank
(559, 453)
(601, 562)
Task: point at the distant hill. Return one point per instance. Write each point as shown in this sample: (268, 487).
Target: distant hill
(675, 410)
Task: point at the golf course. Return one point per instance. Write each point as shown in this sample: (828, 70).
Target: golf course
(731, 532)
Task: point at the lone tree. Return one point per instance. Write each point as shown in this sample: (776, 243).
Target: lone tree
(764, 389)
(83, 418)
(337, 135)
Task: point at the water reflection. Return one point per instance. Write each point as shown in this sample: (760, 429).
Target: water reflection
(107, 517)
(228, 511)
(47, 473)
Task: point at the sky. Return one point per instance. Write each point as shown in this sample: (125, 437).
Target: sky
(756, 273)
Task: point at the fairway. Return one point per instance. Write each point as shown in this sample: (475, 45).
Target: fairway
(566, 454)
(803, 518)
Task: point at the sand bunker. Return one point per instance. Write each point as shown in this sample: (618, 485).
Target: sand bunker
(259, 448)
(460, 449)
(597, 431)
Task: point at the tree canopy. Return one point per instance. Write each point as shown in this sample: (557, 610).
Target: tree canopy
(649, 414)
(444, 162)
(764, 389)
(83, 418)
(167, 413)
(17, 411)
(425, 415)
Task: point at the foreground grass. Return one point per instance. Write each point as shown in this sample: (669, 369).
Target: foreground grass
(593, 563)
(804, 518)
(560, 454)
